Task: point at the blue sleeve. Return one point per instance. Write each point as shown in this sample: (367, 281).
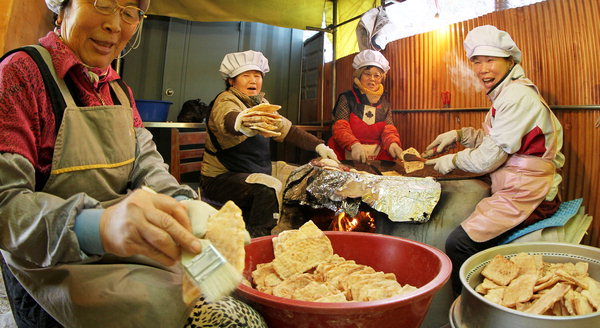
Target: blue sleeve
(87, 229)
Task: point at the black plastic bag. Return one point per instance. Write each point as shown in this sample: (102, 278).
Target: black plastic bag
(193, 110)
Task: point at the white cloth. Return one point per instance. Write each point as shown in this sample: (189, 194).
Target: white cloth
(483, 159)
(235, 63)
(518, 111)
(374, 30)
(488, 40)
(370, 58)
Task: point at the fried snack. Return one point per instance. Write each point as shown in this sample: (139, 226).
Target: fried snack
(268, 108)
(541, 288)
(391, 174)
(227, 232)
(263, 125)
(526, 263)
(269, 119)
(500, 270)
(495, 295)
(287, 287)
(265, 132)
(265, 277)
(592, 293)
(306, 269)
(519, 290)
(411, 166)
(548, 299)
(301, 250)
(189, 290)
(317, 291)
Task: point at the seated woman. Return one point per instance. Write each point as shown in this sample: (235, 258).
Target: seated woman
(363, 127)
(519, 144)
(237, 159)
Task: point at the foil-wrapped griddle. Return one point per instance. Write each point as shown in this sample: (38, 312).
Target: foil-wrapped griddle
(401, 198)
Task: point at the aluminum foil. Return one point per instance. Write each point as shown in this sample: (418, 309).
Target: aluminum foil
(403, 199)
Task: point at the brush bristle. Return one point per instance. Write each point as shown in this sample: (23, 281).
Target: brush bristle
(220, 283)
(211, 272)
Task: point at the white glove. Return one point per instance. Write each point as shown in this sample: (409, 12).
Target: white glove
(240, 127)
(443, 164)
(443, 141)
(326, 152)
(359, 153)
(395, 150)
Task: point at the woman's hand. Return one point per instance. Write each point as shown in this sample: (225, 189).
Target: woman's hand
(241, 126)
(395, 150)
(444, 164)
(444, 140)
(359, 153)
(326, 152)
(153, 225)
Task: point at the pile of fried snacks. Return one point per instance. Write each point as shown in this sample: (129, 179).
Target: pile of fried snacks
(305, 268)
(527, 283)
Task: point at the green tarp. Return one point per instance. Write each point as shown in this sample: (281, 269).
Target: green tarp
(296, 14)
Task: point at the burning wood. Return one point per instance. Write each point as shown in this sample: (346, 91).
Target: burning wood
(363, 221)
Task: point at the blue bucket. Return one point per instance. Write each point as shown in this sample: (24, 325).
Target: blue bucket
(153, 110)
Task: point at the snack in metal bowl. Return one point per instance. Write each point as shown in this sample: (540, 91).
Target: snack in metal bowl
(527, 283)
(473, 309)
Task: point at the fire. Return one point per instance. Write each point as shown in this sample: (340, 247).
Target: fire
(363, 221)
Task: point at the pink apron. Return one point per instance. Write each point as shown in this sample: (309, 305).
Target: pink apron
(518, 187)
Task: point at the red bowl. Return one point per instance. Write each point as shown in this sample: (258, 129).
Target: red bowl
(413, 263)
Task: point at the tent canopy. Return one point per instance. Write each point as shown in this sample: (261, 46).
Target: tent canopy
(298, 14)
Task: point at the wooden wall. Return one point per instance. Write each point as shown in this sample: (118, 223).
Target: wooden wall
(23, 23)
(560, 41)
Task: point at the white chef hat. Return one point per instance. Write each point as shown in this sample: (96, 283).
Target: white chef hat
(236, 63)
(487, 40)
(370, 58)
(54, 5)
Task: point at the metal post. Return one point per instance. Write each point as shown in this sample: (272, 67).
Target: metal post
(333, 70)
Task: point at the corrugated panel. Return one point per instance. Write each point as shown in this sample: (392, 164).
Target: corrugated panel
(560, 40)
(560, 45)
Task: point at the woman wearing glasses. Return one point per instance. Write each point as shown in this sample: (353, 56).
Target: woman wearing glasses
(363, 128)
(83, 245)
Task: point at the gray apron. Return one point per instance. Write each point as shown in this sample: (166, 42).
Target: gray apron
(94, 154)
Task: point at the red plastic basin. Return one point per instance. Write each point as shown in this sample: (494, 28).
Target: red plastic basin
(413, 263)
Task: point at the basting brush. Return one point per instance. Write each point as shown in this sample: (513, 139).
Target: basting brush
(211, 272)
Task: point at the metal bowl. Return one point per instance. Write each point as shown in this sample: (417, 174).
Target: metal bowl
(476, 311)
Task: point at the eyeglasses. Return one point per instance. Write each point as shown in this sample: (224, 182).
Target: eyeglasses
(129, 14)
(376, 76)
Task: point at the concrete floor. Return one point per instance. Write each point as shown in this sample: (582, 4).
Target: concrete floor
(6, 318)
